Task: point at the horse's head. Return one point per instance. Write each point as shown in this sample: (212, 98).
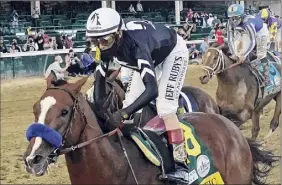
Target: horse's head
(213, 63)
(54, 115)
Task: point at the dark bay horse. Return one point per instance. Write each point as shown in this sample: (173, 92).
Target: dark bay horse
(237, 90)
(65, 121)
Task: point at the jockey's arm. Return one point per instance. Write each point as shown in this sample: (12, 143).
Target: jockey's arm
(147, 74)
(250, 29)
(230, 36)
(100, 84)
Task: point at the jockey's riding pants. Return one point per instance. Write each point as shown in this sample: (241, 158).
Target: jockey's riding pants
(262, 40)
(170, 75)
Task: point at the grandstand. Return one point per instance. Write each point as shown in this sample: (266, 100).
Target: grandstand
(69, 17)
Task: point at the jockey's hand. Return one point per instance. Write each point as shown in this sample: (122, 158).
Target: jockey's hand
(118, 117)
(241, 59)
(234, 57)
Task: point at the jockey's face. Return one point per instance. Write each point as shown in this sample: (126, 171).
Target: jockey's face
(104, 42)
(236, 20)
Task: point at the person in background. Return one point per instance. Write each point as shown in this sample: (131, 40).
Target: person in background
(76, 67)
(59, 42)
(204, 45)
(3, 48)
(15, 46)
(210, 20)
(88, 61)
(46, 42)
(57, 69)
(35, 17)
(131, 9)
(219, 36)
(139, 7)
(215, 21)
(193, 52)
(40, 41)
(30, 45)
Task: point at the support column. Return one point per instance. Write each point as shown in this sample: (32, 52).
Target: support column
(113, 4)
(177, 12)
(180, 5)
(36, 5)
(242, 3)
(104, 4)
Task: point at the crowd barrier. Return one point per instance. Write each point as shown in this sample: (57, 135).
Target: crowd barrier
(34, 63)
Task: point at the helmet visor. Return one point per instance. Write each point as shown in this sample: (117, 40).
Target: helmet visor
(104, 42)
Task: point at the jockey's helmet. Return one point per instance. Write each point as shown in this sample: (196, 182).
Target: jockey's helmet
(264, 14)
(235, 13)
(103, 27)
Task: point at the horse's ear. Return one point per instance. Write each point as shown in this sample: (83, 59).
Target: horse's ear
(52, 77)
(76, 87)
(114, 74)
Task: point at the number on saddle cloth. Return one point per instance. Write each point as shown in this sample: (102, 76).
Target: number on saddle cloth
(200, 164)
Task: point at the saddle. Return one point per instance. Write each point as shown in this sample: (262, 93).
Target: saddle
(259, 70)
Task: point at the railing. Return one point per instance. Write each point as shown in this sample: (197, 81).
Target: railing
(34, 63)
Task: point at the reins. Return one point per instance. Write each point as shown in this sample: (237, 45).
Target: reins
(219, 66)
(72, 148)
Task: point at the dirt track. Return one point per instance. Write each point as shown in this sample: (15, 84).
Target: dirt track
(17, 99)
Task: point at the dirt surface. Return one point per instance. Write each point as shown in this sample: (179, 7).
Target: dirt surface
(17, 99)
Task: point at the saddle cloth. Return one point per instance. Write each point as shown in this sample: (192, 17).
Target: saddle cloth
(153, 144)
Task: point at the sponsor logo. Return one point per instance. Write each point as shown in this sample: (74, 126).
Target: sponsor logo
(203, 165)
(176, 78)
(277, 81)
(213, 179)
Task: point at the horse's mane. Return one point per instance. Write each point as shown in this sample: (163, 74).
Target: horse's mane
(59, 82)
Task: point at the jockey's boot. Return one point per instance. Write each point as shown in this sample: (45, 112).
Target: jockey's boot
(181, 173)
(176, 139)
(265, 64)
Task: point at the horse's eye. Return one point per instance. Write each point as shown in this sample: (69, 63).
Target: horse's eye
(64, 112)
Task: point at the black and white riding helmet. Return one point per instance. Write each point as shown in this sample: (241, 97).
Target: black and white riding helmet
(102, 26)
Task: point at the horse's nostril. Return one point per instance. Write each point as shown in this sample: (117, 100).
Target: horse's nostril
(37, 159)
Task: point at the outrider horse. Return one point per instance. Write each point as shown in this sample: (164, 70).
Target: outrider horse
(67, 124)
(237, 93)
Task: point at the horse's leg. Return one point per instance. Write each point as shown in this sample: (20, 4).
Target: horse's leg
(256, 117)
(255, 126)
(275, 120)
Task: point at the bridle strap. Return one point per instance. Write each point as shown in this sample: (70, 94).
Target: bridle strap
(83, 144)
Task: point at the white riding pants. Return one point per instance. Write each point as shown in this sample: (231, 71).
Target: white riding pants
(262, 40)
(170, 75)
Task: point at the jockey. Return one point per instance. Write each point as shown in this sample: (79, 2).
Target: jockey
(255, 29)
(142, 46)
(273, 25)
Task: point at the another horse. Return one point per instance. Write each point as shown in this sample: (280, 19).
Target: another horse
(62, 115)
(238, 89)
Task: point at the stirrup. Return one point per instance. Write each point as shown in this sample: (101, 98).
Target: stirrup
(179, 153)
(180, 176)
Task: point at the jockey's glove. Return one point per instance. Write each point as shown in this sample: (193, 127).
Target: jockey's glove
(234, 57)
(118, 117)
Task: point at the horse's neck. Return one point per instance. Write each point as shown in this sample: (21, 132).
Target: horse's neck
(95, 163)
(230, 76)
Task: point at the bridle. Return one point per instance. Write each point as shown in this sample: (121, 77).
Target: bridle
(219, 66)
(75, 108)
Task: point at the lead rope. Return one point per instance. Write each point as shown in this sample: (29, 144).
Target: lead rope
(126, 156)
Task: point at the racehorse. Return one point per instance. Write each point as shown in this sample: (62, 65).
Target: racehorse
(237, 92)
(68, 126)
